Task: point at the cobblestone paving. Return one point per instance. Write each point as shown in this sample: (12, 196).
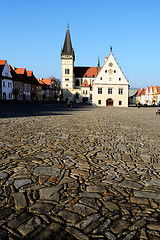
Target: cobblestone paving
(92, 173)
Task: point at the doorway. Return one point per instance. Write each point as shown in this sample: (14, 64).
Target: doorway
(109, 102)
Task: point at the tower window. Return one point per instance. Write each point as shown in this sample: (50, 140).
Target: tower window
(119, 79)
(99, 101)
(114, 71)
(66, 79)
(100, 78)
(105, 71)
(120, 102)
(67, 71)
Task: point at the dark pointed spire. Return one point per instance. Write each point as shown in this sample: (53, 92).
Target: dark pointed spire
(98, 62)
(67, 47)
(111, 49)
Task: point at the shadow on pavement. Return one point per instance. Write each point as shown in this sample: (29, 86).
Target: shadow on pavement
(19, 109)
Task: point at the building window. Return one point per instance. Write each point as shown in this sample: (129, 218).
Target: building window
(92, 75)
(119, 79)
(120, 91)
(105, 71)
(83, 91)
(100, 78)
(66, 85)
(109, 90)
(99, 90)
(114, 71)
(77, 83)
(66, 79)
(4, 84)
(120, 102)
(91, 96)
(86, 91)
(9, 84)
(67, 71)
(99, 101)
(110, 79)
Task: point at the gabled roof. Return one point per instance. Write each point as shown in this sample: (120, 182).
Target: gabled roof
(140, 92)
(2, 62)
(29, 73)
(20, 71)
(85, 84)
(90, 72)
(47, 81)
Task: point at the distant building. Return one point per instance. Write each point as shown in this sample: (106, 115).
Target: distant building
(6, 81)
(149, 96)
(102, 86)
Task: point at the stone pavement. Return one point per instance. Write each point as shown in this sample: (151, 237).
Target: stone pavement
(92, 173)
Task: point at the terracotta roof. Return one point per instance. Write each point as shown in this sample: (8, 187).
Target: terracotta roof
(2, 62)
(140, 92)
(29, 73)
(158, 90)
(41, 82)
(90, 72)
(91, 87)
(85, 84)
(47, 81)
(20, 70)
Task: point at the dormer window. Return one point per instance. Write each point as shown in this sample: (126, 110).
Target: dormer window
(85, 75)
(92, 75)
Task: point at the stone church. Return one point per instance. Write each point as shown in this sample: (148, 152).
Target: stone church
(101, 86)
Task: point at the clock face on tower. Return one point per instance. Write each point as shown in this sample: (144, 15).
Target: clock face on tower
(110, 64)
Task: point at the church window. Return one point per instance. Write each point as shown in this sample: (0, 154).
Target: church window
(99, 90)
(100, 78)
(120, 91)
(105, 71)
(109, 90)
(77, 83)
(120, 102)
(99, 101)
(114, 71)
(119, 79)
(67, 71)
(66, 85)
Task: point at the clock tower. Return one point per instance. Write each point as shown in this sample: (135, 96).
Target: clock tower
(67, 63)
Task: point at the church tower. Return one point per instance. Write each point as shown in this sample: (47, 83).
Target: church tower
(67, 62)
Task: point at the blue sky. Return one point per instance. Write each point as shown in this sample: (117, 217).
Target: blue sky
(33, 32)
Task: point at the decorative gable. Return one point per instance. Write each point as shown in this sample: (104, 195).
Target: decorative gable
(111, 73)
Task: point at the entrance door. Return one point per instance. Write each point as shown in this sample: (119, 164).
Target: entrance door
(109, 102)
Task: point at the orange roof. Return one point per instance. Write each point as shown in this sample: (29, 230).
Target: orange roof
(91, 87)
(140, 92)
(47, 81)
(20, 70)
(2, 62)
(29, 73)
(41, 82)
(85, 84)
(91, 72)
(158, 90)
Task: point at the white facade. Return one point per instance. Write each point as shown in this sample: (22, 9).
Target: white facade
(110, 88)
(7, 83)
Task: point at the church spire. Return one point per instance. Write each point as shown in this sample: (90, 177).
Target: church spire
(67, 47)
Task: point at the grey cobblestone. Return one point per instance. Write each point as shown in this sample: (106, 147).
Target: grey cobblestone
(80, 173)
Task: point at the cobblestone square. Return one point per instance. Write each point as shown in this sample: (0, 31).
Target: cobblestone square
(79, 173)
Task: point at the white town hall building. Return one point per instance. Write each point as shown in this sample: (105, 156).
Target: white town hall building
(101, 86)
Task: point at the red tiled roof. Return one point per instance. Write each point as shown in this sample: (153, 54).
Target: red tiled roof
(91, 87)
(90, 72)
(158, 90)
(47, 81)
(140, 92)
(29, 73)
(20, 70)
(85, 84)
(2, 62)
(41, 82)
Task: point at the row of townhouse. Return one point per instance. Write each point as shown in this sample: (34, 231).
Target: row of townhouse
(148, 96)
(20, 84)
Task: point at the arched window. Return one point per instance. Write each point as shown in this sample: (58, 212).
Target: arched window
(77, 83)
